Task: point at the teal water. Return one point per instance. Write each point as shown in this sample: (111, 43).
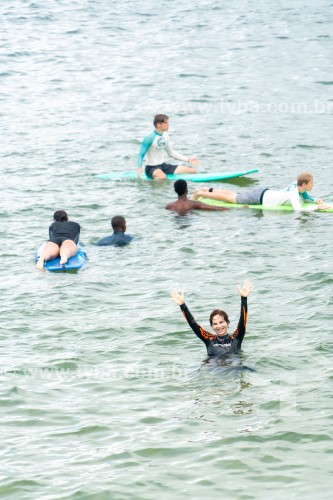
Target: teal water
(103, 392)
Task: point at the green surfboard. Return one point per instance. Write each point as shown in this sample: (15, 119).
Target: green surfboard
(284, 208)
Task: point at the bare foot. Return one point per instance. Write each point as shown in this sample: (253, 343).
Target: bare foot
(40, 265)
(63, 260)
(195, 194)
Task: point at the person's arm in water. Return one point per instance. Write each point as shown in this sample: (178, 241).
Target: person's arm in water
(295, 195)
(241, 327)
(191, 205)
(308, 199)
(202, 206)
(198, 330)
(146, 143)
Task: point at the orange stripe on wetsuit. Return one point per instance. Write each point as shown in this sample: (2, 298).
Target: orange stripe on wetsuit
(226, 344)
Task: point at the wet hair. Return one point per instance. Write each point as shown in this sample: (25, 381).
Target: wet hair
(160, 119)
(60, 216)
(118, 222)
(218, 312)
(180, 187)
(304, 178)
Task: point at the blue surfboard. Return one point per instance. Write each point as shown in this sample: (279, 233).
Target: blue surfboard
(209, 177)
(73, 264)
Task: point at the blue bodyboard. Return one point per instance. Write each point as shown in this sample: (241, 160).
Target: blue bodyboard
(73, 264)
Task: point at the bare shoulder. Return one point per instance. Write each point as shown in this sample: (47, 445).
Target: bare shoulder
(197, 204)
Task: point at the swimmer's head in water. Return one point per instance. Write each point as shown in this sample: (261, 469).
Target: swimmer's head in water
(60, 216)
(118, 222)
(219, 320)
(180, 187)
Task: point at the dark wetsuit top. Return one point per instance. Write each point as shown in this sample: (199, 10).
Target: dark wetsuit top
(118, 239)
(66, 230)
(226, 344)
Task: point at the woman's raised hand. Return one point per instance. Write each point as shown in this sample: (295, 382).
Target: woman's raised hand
(177, 297)
(246, 288)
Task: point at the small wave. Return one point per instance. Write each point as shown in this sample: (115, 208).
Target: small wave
(328, 82)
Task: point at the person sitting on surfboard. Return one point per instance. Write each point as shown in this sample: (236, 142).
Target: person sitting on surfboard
(294, 194)
(63, 239)
(154, 144)
(183, 205)
(118, 238)
(220, 343)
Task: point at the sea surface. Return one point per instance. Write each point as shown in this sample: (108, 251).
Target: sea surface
(104, 392)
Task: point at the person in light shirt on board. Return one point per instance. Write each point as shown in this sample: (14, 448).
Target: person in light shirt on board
(295, 194)
(154, 145)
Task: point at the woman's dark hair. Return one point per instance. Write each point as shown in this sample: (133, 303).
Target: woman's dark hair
(218, 312)
(60, 216)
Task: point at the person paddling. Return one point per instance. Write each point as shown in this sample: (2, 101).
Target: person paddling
(295, 194)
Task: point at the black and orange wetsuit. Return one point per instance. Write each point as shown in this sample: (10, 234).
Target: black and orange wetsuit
(226, 344)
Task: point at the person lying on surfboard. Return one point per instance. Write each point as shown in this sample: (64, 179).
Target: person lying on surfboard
(154, 144)
(63, 239)
(183, 205)
(221, 342)
(294, 194)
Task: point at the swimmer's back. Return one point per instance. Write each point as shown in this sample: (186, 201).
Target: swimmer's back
(66, 230)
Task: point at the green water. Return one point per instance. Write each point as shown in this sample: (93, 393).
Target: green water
(104, 393)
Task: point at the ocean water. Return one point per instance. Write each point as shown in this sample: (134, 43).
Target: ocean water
(104, 391)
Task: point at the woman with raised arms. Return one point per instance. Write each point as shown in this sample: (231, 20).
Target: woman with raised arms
(221, 342)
